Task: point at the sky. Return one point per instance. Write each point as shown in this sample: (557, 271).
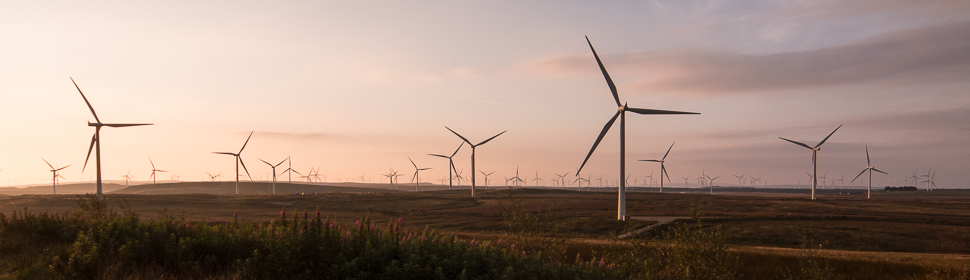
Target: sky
(355, 88)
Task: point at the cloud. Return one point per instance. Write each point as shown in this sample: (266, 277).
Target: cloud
(956, 119)
(925, 55)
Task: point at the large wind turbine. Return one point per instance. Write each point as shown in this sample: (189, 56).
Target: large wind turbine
(153, 171)
(417, 178)
(473, 152)
(274, 170)
(451, 164)
(54, 172)
(239, 160)
(663, 170)
(621, 113)
(814, 154)
(96, 139)
(870, 169)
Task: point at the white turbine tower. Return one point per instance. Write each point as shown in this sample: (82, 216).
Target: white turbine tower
(54, 171)
(451, 164)
(416, 177)
(814, 157)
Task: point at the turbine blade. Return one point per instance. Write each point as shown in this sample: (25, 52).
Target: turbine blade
(827, 137)
(412, 163)
(125, 124)
(796, 142)
(490, 139)
(609, 81)
(86, 101)
(668, 151)
(267, 163)
(150, 161)
(48, 163)
(456, 150)
(606, 129)
(94, 138)
(284, 160)
(663, 170)
(244, 167)
(868, 162)
(459, 136)
(438, 155)
(857, 176)
(658, 112)
(880, 171)
(62, 168)
(650, 160)
(247, 142)
(224, 153)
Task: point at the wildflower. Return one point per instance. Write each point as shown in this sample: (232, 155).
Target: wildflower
(318, 213)
(513, 245)
(398, 220)
(602, 262)
(283, 213)
(499, 241)
(357, 223)
(304, 214)
(372, 227)
(235, 215)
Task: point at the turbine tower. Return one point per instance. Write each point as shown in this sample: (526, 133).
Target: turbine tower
(127, 177)
(54, 172)
(274, 170)
(153, 171)
(96, 139)
(486, 176)
(451, 164)
(473, 152)
(417, 178)
(870, 169)
(622, 108)
(814, 157)
(930, 184)
(239, 160)
(663, 170)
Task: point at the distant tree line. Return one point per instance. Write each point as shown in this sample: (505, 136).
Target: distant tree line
(904, 188)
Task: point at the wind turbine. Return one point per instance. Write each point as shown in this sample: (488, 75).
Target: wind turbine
(537, 179)
(274, 170)
(663, 170)
(416, 178)
(473, 152)
(929, 181)
(486, 176)
(96, 138)
(54, 172)
(870, 169)
(289, 171)
(515, 180)
(814, 157)
(153, 171)
(685, 181)
(239, 160)
(712, 182)
(127, 177)
(621, 113)
(739, 178)
(213, 177)
(451, 163)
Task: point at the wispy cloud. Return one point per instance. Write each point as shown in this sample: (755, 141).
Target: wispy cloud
(293, 136)
(924, 55)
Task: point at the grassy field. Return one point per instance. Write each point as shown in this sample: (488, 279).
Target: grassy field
(893, 232)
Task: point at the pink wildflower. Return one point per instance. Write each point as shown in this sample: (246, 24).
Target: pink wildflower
(602, 262)
(283, 213)
(499, 241)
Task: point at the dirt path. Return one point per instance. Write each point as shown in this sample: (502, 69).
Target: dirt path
(659, 220)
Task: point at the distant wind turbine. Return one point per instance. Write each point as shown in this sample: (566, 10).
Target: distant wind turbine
(663, 169)
(870, 169)
(486, 176)
(621, 113)
(814, 157)
(473, 152)
(451, 164)
(417, 178)
(274, 170)
(96, 139)
(537, 179)
(930, 183)
(712, 182)
(153, 171)
(239, 160)
(127, 177)
(740, 178)
(54, 171)
(515, 180)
